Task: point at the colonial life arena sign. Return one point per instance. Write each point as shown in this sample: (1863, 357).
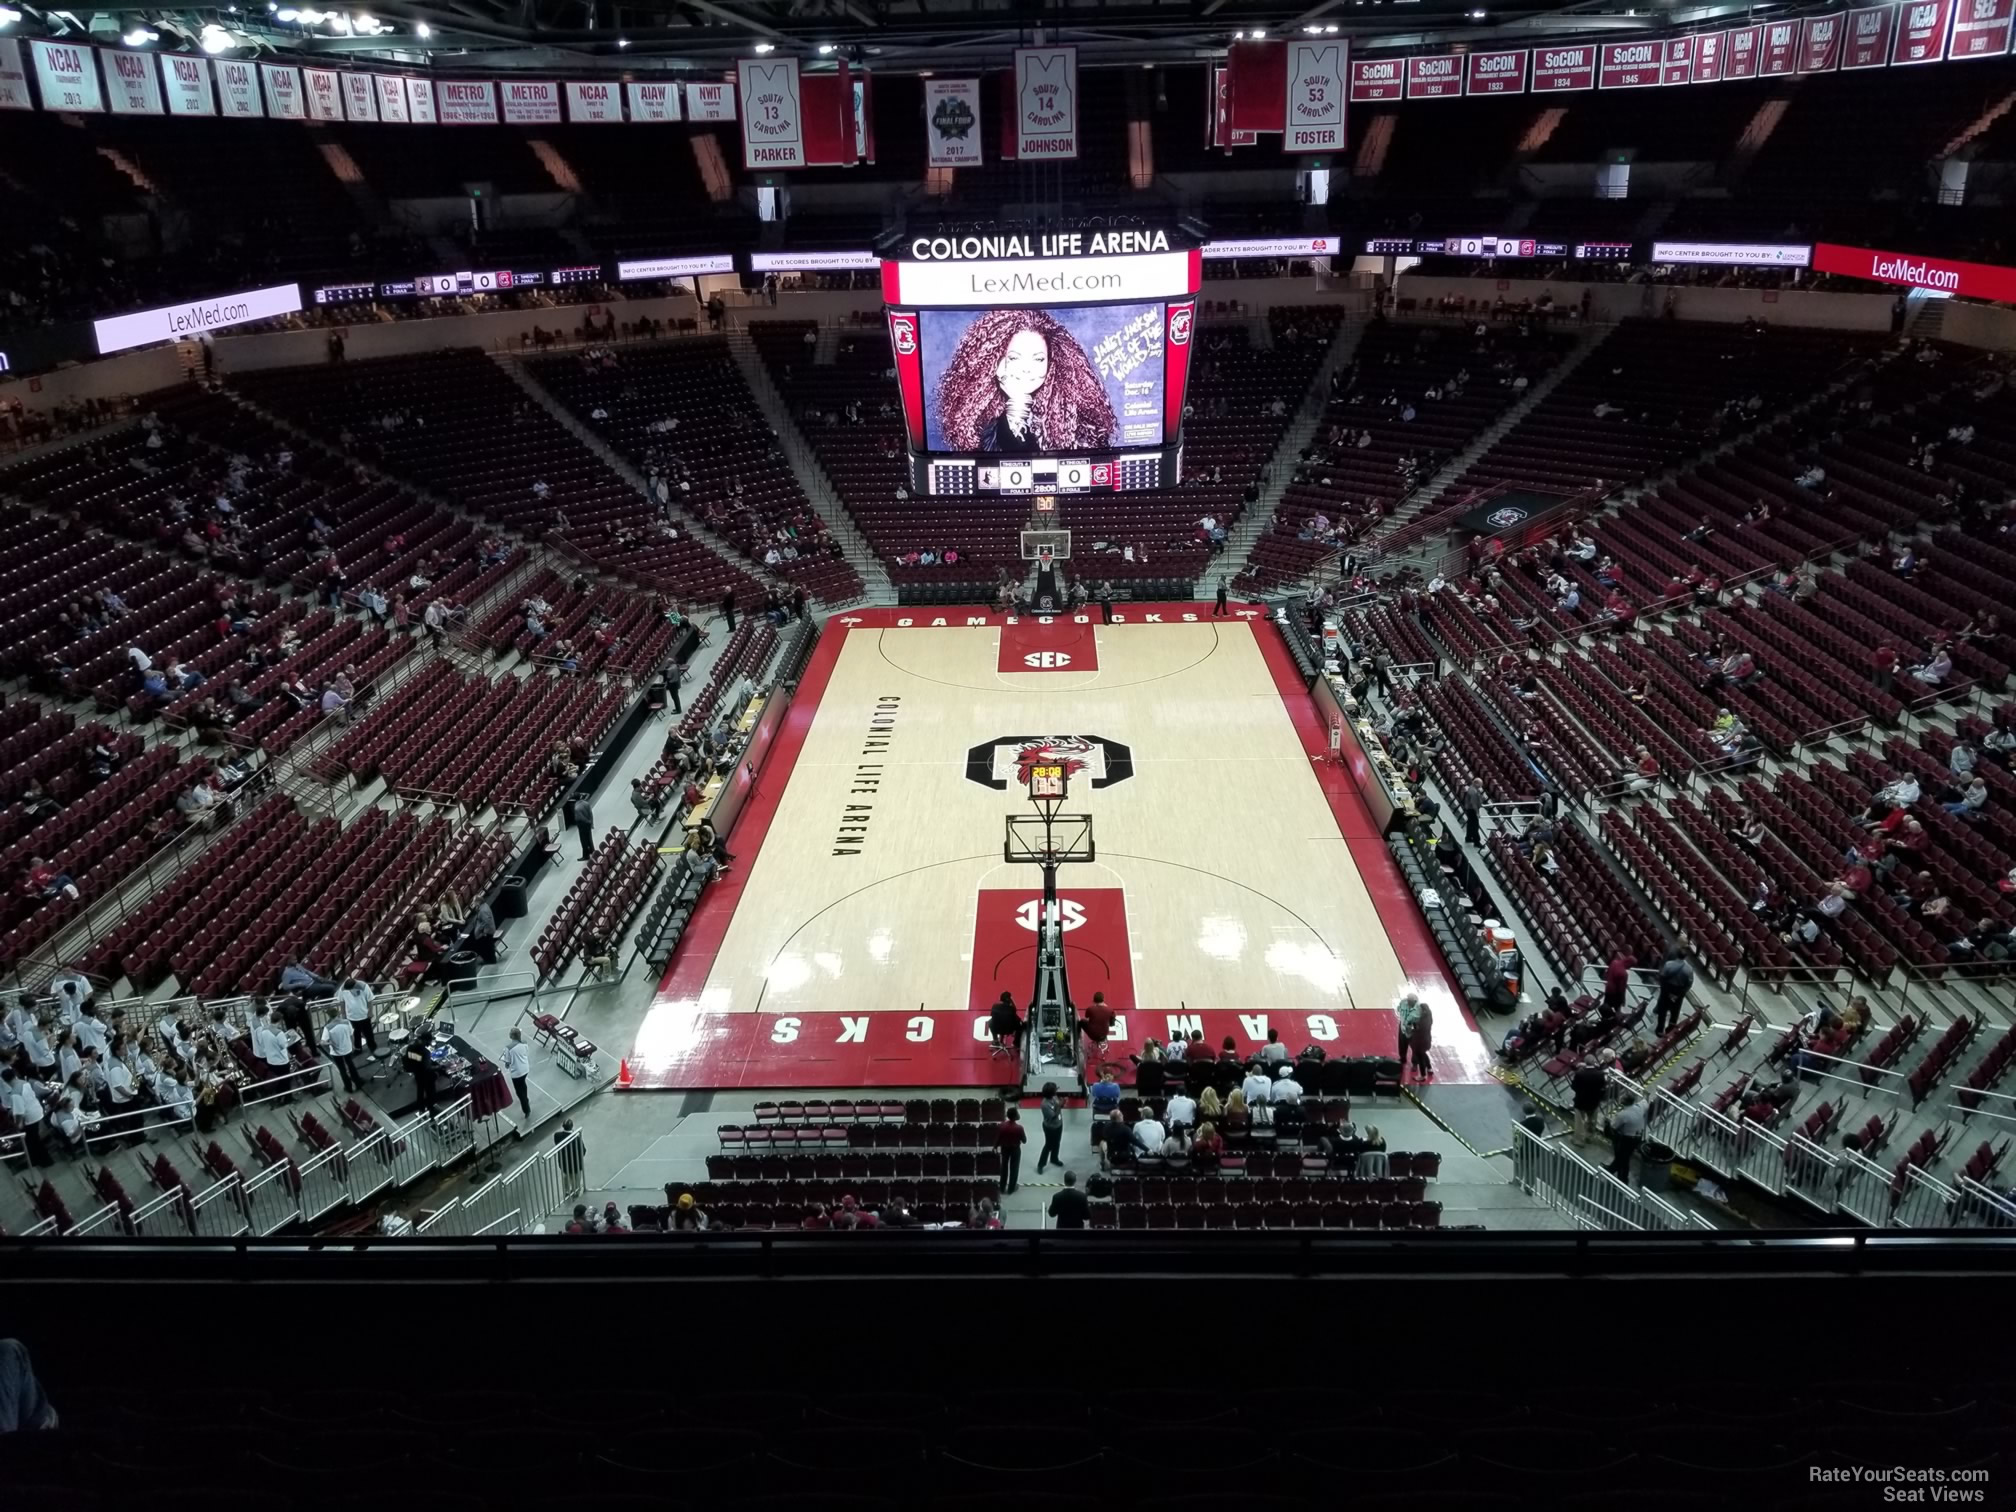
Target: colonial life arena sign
(1047, 244)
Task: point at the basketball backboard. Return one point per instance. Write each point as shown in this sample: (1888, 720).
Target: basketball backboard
(1042, 840)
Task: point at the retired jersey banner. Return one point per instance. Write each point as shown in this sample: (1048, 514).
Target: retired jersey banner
(1631, 65)
(465, 102)
(188, 82)
(952, 121)
(392, 98)
(360, 97)
(598, 103)
(1257, 82)
(1559, 69)
(1981, 28)
(1820, 44)
(66, 74)
(1318, 75)
(828, 103)
(1046, 103)
(1868, 44)
(1921, 32)
(238, 90)
(1437, 77)
(710, 102)
(655, 104)
(323, 88)
(1710, 48)
(14, 93)
(420, 102)
(133, 84)
(1374, 80)
(1777, 49)
(285, 100)
(530, 102)
(1496, 73)
(773, 113)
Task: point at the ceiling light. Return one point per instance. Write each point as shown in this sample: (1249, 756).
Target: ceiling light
(1259, 33)
(825, 48)
(214, 38)
(1314, 31)
(1477, 15)
(1330, 29)
(622, 41)
(423, 31)
(8, 15)
(766, 47)
(140, 37)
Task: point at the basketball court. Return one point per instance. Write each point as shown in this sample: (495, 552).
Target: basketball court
(871, 917)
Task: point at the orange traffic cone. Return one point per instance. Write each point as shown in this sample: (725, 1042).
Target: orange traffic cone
(623, 1072)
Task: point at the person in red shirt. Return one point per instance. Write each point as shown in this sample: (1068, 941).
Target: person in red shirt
(1616, 977)
(1097, 1023)
(1197, 1050)
(1011, 1136)
(1883, 660)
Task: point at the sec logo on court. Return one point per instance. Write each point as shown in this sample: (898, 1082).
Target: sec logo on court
(1070, 909)
(1047, 659)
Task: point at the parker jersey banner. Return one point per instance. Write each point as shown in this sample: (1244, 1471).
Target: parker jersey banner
(826, 101)
(1046, 103)
(773, 112)
(188, 81)
(1496, 73)
(710, 102)
(1981, 28)
(1921, 32)
(594, 103)
(238, 90)
(66, 75)
(324, 88)
(14, 93)
(952, 122)
(1869, 37)
(133, 84)
(285, 99)
(530, 102)
(1376, 80)
(1556, 70)
(1318, 73)
(1439, 77)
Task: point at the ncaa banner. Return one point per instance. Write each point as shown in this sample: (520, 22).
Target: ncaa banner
(1435, 78)
(360, 97)
(1318, 73)
(1777, 49)
(530, 102)
(1556, 70)
(1921, 32)
(132, 85)
(392, 98)
(1221, 134)
(238, 90)
(188, 81)
(710, 102)
(1708, 50)
(284, 98)
(1496, 73)
(952, 121)
(1046, 103)
(420, 102)
(594, 103)
(67, 76)
(656, 103)
(1868, 44)
(1741, 62)
(1981, 29)
(773, 112)
(324, 93)
(1820, 44)
(13, 77)
(1376, 80)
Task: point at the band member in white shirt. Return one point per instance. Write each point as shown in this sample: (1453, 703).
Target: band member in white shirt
(518, 1066)
(355, 998)
(340, 1042)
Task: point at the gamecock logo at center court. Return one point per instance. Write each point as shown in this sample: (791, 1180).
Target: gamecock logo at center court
(998, 763)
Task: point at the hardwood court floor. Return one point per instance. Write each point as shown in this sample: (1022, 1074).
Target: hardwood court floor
(866, 933)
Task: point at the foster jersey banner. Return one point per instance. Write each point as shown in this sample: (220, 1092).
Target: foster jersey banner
(1046, 103)
(773, 112)
(952, 121)
(1317, 74)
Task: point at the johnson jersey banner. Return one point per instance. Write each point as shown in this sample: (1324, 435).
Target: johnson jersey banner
(1257, 81)
(1981, 28)
(1496, 73)
(827, 102)
(238, 90)
(773, 113)
(360, 97)
(952, 122)
(1631, 65)
(392, 98)
(324, 90)
(1710, 48)
(466, 102)
(14, 93)
(1557, 70)
(420, 102)
(1046, 103)
(285, 99)
(656, 103)
(1868, 43)
(1777, 49)
(1377, 79)
(1820, 44)
(133, 84)
(598, 103)
(1921, 32)
(530, 102)
(66, 75)
(188, 81)
(710, 102)
(1438, 77)
(1741, 63)
(1318, 73)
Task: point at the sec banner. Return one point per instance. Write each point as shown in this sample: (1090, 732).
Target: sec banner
(952, 122)
(1316, 83)
(773, 113)
(1046, 103)
(1981, 29)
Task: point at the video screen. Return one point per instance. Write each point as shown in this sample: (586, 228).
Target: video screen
(1032, 382)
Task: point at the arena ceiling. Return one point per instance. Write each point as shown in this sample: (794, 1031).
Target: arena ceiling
(903, 35)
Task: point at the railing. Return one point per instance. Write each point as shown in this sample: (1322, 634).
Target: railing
(1592, 1196)
(441, 1218)
(219, 1212)
(272, 1198)
(107, 1220)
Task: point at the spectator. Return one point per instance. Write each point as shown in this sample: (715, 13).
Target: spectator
(1011, 1136)
(1627, 1132)
(1286, 1089)
(1051, 1110)
(1272, 1054)
(1105, 1094)
(1676, 980)
(1070, 1207)
(1587, 1087)
(1149, 1134)
(1971, 802)
(1420, 1038)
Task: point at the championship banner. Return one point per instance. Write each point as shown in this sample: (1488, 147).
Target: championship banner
(828, 101)
(1046, 103)
(360, 97)
(1631, 65)
(324, 93)
(238, 90)
(1709, 50)
(1376, 80)
(13, 77)
(392, 98)
(1981, 29)
(952, 121)
(773, 112)
(1777, 49)
(132, 84)
(285, 100)
(597, 103)
(710, 102)
(1496, 73)
(1221, 134)
(1921, 32)
(465, 102)
(1557, 70)
(530, 102)
(1741, 62)
(1317, 77)
(1256, 82)
(1869, 37)
(864, 117)
(1679, 65)
(1435, 78)
(420, 108)
(67, 76)
(1820, 44)
(188, 81)
(654, 104)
